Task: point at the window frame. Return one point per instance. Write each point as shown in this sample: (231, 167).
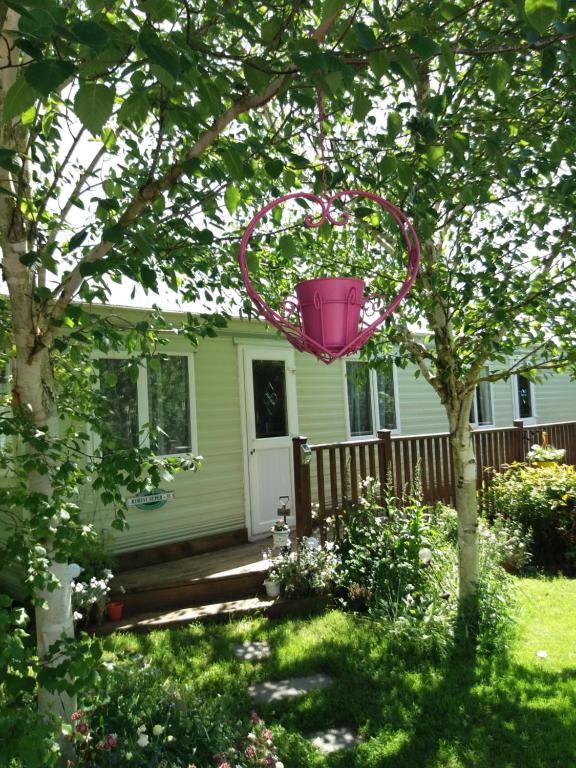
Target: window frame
(474, 422)
(143, 400)
(516, 401)
(374, 404)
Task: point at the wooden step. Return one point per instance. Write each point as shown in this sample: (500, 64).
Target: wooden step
(213, 612)
(212, 577)
(198, 592)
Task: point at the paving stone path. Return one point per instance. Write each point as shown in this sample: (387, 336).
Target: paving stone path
(327, 741)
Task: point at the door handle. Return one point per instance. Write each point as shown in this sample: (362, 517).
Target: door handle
(253, 451)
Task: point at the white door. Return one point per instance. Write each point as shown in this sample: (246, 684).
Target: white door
(271, 422)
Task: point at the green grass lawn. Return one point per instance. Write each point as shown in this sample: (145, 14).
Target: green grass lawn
(413, 710)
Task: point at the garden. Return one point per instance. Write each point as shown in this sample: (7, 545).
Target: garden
(392, 672)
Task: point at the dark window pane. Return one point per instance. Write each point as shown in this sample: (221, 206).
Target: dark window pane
(524, 397)
(386, 397)
(359, 400)
(120, 389)
(484, 404)
(169, 405)
(270, 410)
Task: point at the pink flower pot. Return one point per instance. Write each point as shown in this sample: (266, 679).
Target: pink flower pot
(114, 611)
(330, 310)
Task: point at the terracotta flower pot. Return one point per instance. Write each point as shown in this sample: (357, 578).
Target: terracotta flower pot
(114, 611)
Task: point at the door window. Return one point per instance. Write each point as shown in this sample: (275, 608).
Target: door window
(270, 410)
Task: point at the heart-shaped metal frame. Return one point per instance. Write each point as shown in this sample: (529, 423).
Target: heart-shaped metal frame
(294, 333)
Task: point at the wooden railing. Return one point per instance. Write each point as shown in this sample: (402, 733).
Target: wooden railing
(335, 470)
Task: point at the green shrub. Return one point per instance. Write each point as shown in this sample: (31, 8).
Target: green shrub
(397, 560)
(542, 501)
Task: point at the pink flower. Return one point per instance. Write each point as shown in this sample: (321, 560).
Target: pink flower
(254, 717)
(250, 752)
(78, 714)
(267, 734)
(82, 727)
(111, 740)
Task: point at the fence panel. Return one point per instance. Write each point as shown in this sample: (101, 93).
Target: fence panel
(401, 463)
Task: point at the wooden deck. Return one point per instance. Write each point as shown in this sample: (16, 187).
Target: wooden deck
(213, 577)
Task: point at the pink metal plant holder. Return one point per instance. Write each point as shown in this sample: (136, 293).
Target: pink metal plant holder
(330, 317)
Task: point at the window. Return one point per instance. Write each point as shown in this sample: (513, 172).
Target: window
(371, 399)
(524, 398)
(481, 414)
(150, 403)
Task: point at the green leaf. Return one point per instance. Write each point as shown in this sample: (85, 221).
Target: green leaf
(142, 243)
(378, 62)
(331, 8)
(424, 46)
(407, 66)
(134, 110)
(448, 59)
(450, 11)
(499, 75)
(540, 13)
(160, 10)
(90, 33)
(288, 247)
(93, 105)
(394, 125)
(365, 36)
(255, 77)
(19, 98)
(159, 51)
(378, 14)
(434, 154)
(77, 239)
(387, 165)
(548, 65)
(231, 198)
(362, 105)
(233, 164)
(9, 160)
(46, 76)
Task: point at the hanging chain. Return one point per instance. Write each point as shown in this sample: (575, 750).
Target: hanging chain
(320, 102)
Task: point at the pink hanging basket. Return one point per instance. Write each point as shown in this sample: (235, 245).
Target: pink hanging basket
(332, 317)
(330, 310)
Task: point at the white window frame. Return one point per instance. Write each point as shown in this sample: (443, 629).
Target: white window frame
(375, 411)
(516, 401)
(474, 421)
(142, 399)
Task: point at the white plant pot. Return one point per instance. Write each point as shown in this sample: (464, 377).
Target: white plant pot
(280, 539)
(272, 588)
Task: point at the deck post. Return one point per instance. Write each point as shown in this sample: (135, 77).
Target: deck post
(519, 450)
(302, 490)
(384, 458)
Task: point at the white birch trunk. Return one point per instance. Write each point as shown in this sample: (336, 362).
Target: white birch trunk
(466, 498)
(35, 395)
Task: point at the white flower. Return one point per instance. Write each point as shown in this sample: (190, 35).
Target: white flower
(425, 555)
(170, 737)
(157, 730)
(143, 740)
(252, 736)
(141, 729)
(128, 755)
(279, 764)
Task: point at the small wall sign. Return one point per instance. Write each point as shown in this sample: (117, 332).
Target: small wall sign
(153, 500)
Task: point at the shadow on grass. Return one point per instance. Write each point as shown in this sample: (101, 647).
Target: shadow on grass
(476, 714)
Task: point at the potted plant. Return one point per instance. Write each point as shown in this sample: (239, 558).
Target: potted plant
(272, 582)
(545, 455)
(280, 534)
(114, 610)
